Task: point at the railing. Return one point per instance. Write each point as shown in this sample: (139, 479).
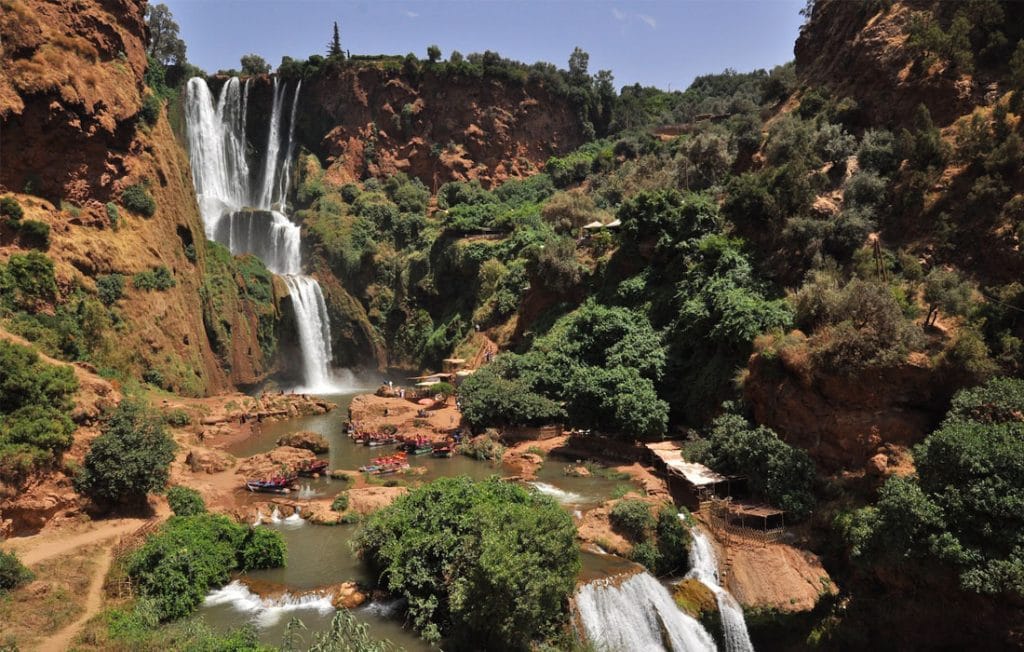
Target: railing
(716, 513)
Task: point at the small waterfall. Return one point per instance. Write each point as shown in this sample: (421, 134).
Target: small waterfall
(314, 332)
(704, 568)
(251, 220)
(560, 495)
(637, 614)
(266, 612)
(275, 516)
(259, 517)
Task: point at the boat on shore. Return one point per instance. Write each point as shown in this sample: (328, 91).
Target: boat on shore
(442, 450)
(312, 467)
(275, 485)
(386, 465)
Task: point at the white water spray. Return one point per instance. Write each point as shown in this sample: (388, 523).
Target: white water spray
(252, 220)
(637, 614)
(562, 496)
(266, 612)
(704, 568)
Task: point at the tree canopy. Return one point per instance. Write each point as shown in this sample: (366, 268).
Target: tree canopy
(487, 565)
(165, 45)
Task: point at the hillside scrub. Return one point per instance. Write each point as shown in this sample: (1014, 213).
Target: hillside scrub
(35, 402)
(482, 564)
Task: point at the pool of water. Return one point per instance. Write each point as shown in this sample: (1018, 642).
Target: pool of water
(347, 454)
(320, 555)
(317, 556)
(576, 492)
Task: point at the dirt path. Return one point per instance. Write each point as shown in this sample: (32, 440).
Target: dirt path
(93, 603)
(40, 547)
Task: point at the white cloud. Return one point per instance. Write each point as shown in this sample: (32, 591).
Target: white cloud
(653, 24)
(618, 14)
(411, 14)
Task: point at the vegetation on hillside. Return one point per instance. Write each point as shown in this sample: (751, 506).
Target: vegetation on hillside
(35, 403)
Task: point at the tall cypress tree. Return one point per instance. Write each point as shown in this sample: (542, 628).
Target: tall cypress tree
(334, 47)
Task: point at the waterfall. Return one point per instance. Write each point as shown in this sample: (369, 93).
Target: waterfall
(252, 220)
(560, 495)
(637, 614)
(314, 331)
(267, 612)
(704, 568)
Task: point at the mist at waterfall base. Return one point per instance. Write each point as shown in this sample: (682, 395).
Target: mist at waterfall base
(704, 568)
(243, 207)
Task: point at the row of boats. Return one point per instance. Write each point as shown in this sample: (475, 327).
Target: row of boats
(284, 481)
(384, 465)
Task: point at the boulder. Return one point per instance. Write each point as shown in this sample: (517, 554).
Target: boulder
(274, 462)
(878, 464)
(307, 440)
(203, 460)
(348, 596)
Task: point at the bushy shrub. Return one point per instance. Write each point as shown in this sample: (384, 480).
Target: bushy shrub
(35, 233)
(262, 548)
(488, 565)
(130, 458)
(877, 152)
(158, 278)
(11, 208)
(633, 518)
(113, 215)
(150, 111)
(177, 418)
(136, 198)
(12, 572)
(340, 502)
(189, 555)
(673, 542)
(35, 398)
(110, 288)
(783, 474)
(32, 280)
(185, 501)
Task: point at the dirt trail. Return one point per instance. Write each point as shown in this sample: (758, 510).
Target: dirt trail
(93, 603)
(40, 547)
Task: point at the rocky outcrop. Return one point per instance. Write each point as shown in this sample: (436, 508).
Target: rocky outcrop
(859, 49)
(364, 117)
(204, 460)
(843, 418)
(273, 463)
(310, 441)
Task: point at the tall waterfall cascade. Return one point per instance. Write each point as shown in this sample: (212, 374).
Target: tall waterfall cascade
(637, 614)
(243, 202)
(704, 568)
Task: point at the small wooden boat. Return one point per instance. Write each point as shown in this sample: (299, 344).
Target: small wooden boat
(271, 486)
(312, 467)
(386, 465)
(443, 450)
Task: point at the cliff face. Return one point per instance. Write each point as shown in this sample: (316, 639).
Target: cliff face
(858, 49)
(70, 99)
(366, 120)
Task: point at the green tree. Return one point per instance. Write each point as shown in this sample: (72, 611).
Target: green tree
(130, 458)
(334, 47)
(945, 289)
(781, 473)
(488, 565)
(165, 45)
(578, 62)
(12, 572)
(433, 54)
(11, 208)
(254, 64)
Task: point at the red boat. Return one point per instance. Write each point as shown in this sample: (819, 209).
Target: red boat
(312, 467)
(276, 485)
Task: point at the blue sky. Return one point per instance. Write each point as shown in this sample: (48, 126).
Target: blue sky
(660, 43)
